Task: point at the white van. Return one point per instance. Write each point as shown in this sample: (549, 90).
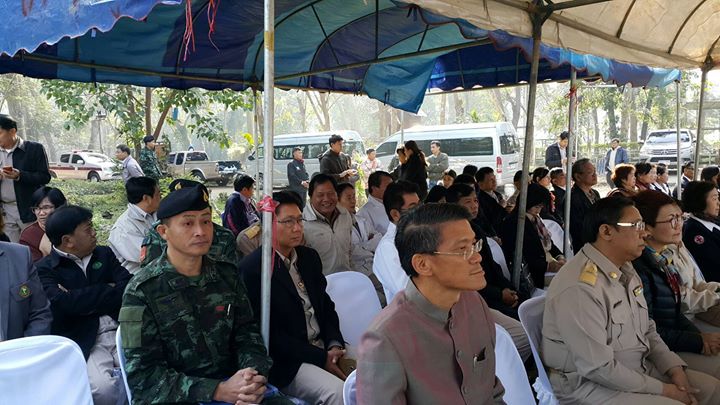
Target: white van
(314, 144)
(492, 144)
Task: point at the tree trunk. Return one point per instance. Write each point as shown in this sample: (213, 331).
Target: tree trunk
(625, 115)
(148, 111)
(610, 110)
(646, 115)
(443, 111)
(596, 128)
(459, 109)
(302, 106)
(633, 116)
(517, 106)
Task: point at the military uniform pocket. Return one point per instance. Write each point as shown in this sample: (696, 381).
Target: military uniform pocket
(131, 326)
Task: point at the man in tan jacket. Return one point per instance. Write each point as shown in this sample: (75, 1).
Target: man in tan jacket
(599, 343)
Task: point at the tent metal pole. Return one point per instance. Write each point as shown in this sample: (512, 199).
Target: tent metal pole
(699, 133)
(677, 130)
(269, 133)
(255, 129)
(537, 21)
(402, 127)
(572, 124)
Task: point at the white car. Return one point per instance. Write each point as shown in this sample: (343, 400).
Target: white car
(84, 165)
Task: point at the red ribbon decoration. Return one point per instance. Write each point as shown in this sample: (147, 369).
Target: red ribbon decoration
(572, 93)
(189, 35)
(267, 204)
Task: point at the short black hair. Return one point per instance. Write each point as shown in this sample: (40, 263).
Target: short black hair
(694, 196)
(578, 166)
(615, 140)
(482, 173)
(436, 143)
(64, 220)
(451, 173)
(54, 195)
(394, 195)
(649, 203)
(297, 148)
(335, 138)
(556, 172)
(369, 151)
(436, 194)
(342, 186)
(688, 164)
(7, 122)
(465, 179)
(376, 178)
(564, 135)
(642, 168)
(458, 191)
(517, 176)
(607, 211)
(123, 148)
(137, 187)
(707, 173)
(660, 169)
(470, 169)
(420, 231)
(242, 182)
(286, 197)
(321, 178)
(148, 139)
(539, 173)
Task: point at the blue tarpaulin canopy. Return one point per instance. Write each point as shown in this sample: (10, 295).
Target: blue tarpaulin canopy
(389, 50)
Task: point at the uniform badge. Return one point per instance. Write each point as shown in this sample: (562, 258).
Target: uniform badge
(97, 265)
(613, 275)
(24, 291)
(205, 196)
(589, 274)
(638, 290)
(699, 239)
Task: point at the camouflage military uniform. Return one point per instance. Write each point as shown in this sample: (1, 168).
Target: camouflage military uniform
(149, 164)
(222, 249)
(183, 335)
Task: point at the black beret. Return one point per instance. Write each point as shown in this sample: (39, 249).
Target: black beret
(148, 138)
(177, 184)
(186, 199)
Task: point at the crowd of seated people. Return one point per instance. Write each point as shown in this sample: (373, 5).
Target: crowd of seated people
(634, 316)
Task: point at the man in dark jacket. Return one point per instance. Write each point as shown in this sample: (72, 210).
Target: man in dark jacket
(492, 203)
(240, 211)
(582, 197)
(298, 176)
(24, 168)
(305, 340)
(556, 154)
(84, 283)
(336, 163)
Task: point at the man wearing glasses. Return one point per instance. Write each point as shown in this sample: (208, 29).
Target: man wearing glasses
(599, 343)
(306, 345)
(434, 344)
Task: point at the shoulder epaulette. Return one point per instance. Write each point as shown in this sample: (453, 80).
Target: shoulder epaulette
(589, 274)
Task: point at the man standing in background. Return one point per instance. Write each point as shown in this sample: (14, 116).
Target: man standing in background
(437, 164)
(556, 154)
(23, 169)
(616, 155)
(148, 159)
(370, 165)
(130, 166)
(298, 177)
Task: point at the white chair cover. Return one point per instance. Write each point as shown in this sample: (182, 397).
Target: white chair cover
(531, 317)
(43, 370)
(121, 358)
(356, 303)
(510, 371)
(499, 257)
(557, 233)
(349, 389)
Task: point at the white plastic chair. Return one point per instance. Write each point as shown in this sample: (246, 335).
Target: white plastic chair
(557, 234)
(121, 358)
(499, 257)
(356, 303)
(531, 318)
(510, 370)
(349, 389)
(43, 370)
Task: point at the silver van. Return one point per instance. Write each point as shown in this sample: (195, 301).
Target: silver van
(492, 144)
(313, 144)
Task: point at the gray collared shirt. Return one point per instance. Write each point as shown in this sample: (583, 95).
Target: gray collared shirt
(127, 234)
(131, 168)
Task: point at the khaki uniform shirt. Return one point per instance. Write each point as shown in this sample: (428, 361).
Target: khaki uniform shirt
(596, 330)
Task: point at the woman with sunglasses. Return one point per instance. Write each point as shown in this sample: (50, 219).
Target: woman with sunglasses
(701, 232)
(662, 284)
(45, 201)
(539, 252)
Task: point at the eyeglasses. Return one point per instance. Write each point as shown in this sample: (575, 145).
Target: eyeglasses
(290, 222)
(43, 208)
(467, 252)
(674, 221)
(639, 225)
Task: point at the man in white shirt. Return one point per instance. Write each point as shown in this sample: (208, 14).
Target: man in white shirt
(328, 226)
(131, 168)
(616, 155)
(400, 197)
(373, 212)
(129, 230)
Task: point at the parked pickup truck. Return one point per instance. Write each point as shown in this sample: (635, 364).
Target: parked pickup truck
(84, 164)
(197, 164)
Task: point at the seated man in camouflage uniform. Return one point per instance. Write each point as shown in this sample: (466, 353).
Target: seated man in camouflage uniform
(223, 243)
(187, 327)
